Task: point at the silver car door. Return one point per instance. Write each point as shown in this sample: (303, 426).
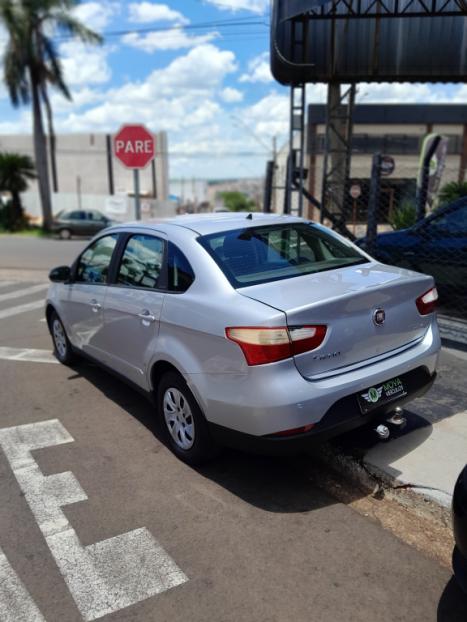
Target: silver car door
(133, 306)
(83, 304)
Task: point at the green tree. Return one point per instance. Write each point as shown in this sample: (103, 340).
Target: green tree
(32, 64)
(15, 173)
(238, 202)
(452, 191)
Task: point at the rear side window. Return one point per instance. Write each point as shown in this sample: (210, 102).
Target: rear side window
(141, 263)
(76, 216)
(181, 274)
(94, 264)
(264, 254)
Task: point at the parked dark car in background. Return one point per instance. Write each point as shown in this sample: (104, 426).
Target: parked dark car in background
(80, 222)
(459, 509)
(437, 246)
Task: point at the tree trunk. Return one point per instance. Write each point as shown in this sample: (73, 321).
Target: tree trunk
(40, 152)
(53, 138)
(17, 215)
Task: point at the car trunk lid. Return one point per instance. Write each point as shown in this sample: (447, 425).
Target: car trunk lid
(346, 301)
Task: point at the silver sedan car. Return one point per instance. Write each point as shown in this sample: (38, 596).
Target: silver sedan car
(257, 331)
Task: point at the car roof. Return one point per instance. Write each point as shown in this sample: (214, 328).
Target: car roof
(206, 224)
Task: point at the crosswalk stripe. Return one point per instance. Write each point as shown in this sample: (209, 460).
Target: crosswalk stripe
(30, 306)
(27, 354)
(27, 291)
(15, 601)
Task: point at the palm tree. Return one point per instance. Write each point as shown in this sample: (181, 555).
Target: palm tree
(32, 64)
(15, 173)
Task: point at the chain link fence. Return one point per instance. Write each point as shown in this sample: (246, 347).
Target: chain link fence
(383, 220)
(385, 217)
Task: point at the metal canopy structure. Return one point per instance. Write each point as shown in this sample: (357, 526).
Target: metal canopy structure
(351, 41)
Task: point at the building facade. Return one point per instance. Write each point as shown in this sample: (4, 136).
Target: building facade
(397, 130)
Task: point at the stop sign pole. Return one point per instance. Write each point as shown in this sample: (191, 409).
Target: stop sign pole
(134, 147)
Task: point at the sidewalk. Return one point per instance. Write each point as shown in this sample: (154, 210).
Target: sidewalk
(429, 454)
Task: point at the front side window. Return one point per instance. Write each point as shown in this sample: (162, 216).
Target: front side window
(264, 254)
(181, 274)
(94, 264)
(141, 264)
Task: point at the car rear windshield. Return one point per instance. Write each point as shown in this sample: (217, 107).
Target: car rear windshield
(263, 254)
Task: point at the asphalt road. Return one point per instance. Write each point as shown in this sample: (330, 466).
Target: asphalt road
(29, 253)
(99, 520)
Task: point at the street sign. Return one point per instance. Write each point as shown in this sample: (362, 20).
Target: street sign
(134, 146)
(355, 191)
(388, 166)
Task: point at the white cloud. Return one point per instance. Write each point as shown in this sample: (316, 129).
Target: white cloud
(180, 96)
(269, 116)
(85, 64)
(258, 70)
(231, 96)
(81, 97)
(255, 6)
(146, 12)
(96, 15)
(175, 39)
(399, 92)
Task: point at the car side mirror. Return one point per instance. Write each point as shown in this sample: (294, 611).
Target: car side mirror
(62, 274)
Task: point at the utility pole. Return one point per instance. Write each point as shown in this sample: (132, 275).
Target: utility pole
(274, 174)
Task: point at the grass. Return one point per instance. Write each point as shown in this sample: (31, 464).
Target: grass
(33, 232)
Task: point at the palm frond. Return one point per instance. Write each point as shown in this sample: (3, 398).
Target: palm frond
(73, 26)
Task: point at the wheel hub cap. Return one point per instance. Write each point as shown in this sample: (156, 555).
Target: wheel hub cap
(179, 418)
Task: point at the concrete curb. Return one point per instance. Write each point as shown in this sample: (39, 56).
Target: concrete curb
(378, 484)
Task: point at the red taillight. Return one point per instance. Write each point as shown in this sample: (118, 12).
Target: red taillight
(269, 345)
(427, 303)
(295, 431)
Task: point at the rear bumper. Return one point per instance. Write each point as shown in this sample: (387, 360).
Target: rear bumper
(271, 398)
(343, 416)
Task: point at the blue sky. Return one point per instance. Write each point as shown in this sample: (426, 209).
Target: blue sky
(198, 69)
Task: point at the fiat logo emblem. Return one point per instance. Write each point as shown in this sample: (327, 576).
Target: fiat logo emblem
(379, 317)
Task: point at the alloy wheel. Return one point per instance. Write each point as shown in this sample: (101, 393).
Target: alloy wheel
(179, 418)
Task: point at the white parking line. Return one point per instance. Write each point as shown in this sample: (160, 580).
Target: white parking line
(15, 602)
(27, 354)
(26, 291)
(103, 577)
(30, 306)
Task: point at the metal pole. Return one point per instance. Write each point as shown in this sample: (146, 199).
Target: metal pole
(274, 175)
(373, 204)
(154, 178)
(137, 194)
(110, 170)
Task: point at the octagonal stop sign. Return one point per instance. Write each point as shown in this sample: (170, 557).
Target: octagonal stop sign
(134, 146)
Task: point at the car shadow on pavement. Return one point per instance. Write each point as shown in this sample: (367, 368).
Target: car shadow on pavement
(401, 442)
(452, 606)
(274, 484)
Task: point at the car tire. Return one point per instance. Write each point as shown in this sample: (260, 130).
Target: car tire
(62, 347)
(65, 234)
(184, 423)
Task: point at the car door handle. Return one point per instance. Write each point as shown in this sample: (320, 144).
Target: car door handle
(147, 316)
(96, 306)
(409, 254)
